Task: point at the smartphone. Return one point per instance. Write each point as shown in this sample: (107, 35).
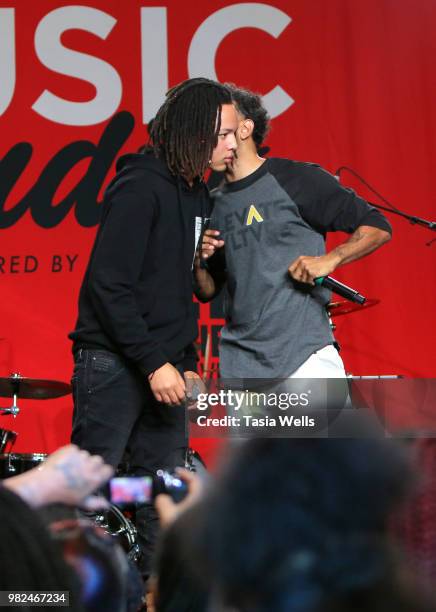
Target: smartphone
(171, 484)
(130, 490)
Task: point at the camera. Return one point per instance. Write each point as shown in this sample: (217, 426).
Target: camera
(136, 490)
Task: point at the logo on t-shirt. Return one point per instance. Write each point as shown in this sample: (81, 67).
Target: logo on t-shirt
(253, 213)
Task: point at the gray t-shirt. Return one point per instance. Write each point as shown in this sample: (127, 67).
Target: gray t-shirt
(267, 220)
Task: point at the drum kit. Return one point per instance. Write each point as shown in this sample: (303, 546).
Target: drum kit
(17, 386)
(112, 521)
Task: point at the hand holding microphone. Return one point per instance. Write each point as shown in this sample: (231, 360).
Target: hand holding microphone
(306, 268)
(343, 290)
(316, 270)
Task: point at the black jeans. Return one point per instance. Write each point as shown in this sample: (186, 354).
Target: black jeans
(115, 413)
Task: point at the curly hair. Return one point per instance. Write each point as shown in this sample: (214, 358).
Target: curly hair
(250, 105)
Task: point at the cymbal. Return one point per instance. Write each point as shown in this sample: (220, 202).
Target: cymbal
(32, 388)
(336, 309)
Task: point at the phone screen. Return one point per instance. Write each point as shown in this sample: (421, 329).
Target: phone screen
(130, 490)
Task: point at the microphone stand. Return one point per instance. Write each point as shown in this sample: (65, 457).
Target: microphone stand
(413, 219)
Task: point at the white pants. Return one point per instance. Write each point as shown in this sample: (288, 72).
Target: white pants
(312, 374)
(325, 363)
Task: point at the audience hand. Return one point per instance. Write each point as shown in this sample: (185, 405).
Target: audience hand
(68, 476)
(167, 509)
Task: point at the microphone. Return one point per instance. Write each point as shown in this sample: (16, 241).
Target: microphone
(343, 290)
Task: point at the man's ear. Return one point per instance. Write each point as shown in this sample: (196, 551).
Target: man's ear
(245, 130)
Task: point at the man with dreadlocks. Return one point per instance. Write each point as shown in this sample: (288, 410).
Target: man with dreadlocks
(133, 341)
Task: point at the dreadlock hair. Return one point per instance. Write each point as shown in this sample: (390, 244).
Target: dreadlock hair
(185, 129)
(249, 104)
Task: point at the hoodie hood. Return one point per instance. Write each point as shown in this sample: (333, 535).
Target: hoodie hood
(143, 160)
(131, 163)
(136, 166)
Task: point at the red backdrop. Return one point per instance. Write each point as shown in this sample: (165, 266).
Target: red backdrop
(361, 78)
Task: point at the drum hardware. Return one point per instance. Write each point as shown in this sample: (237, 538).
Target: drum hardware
(16, 386)
(14, 383)
(12, 464)
(337, 309)
(116, 524)
(331, 324)
(193, 461)
(7, 440)
(376, 377)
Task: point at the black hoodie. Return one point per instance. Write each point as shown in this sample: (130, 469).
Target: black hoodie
(136, 296)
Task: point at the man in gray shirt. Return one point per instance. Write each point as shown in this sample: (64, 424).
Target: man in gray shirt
(266, 245)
